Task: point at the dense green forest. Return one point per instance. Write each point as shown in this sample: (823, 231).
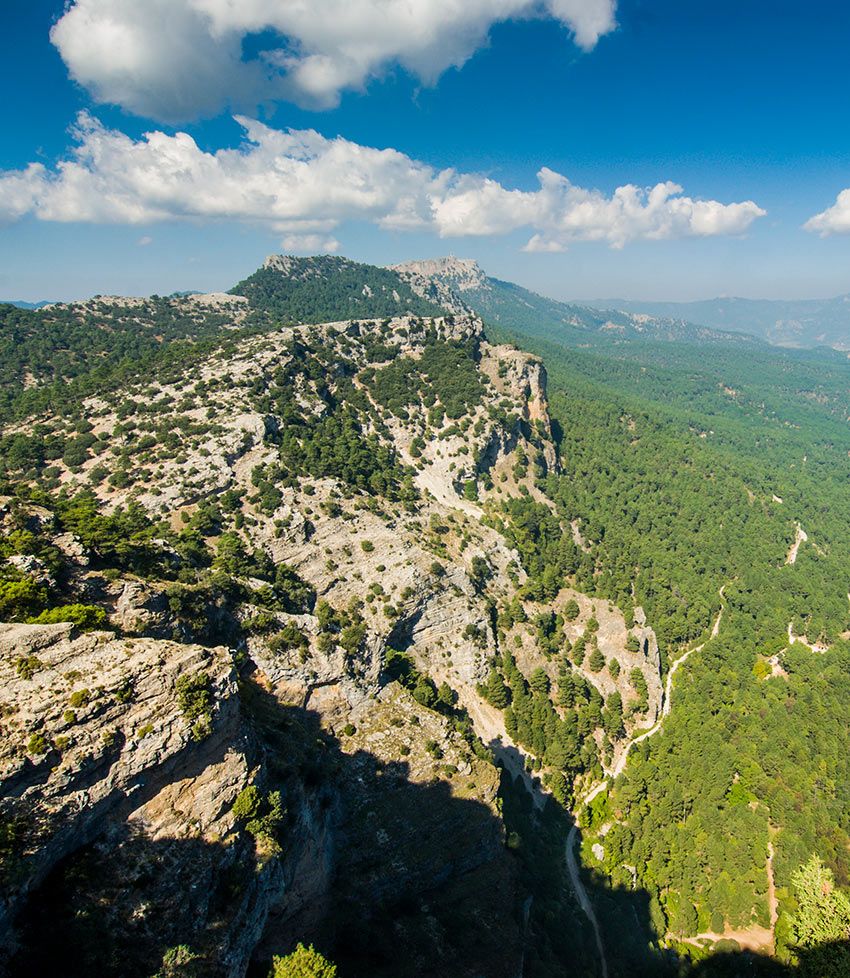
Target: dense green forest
(688, 473)
(327, 289)
(523, 313)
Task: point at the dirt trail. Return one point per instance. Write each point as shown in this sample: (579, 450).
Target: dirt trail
(818, 647)
(772, 901)
(489, 725)
(620, 766)
(800, 538)
(572, 838)
(583, 898)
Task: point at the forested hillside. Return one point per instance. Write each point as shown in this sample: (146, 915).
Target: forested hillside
(685, 475)
(793, 322)
(363, 607)
(509, 306)
(329, 289)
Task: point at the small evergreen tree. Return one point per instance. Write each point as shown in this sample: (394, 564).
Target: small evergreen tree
(596, 661)
(496, 691)
(304, 962)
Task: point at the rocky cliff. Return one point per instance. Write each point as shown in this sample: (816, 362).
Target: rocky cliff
(290, 570)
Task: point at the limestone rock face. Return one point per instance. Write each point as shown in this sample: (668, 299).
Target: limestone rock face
(95, 728)
(443, 280)
(141, 610)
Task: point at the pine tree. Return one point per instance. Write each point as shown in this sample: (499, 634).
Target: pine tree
(497, 692)
(823, 911)
(304, 962)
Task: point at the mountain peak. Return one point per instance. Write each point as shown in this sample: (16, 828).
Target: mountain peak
(463, 273)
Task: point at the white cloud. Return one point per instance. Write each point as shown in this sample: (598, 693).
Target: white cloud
(176, 60)
(309, 244)
(19, 190)
(303, 185)
(834, 220)
(144, 241)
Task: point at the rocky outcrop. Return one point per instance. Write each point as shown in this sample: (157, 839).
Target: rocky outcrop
(95, 729)
(142, 610)
(444, 280)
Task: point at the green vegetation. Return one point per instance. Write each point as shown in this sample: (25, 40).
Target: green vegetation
(51, 359)
(686, 474)
(261, 815)
(195, 698)
(328, 289)
(444, 380)
(304, 962)
(82, 615)
(347, 442)
(823, 912)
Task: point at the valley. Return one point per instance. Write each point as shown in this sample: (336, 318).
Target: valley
(394, 612)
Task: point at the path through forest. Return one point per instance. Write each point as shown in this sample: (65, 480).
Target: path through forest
(572, 863)
(800, 537)
(772, 901)
(583, 898)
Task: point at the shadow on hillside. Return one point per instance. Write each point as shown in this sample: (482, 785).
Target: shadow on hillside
(390, 877)
(421, 882)
(630, 941)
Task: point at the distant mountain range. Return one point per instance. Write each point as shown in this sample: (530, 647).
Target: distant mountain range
(25, 305)
(795, 323)
(461, 284)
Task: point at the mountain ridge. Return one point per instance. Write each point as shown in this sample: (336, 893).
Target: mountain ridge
(801, 323)
(462, 285)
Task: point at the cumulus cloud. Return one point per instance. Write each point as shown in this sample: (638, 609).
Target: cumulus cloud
(309, 244)
(176, 60)
(19, 191)
(834, 220)
(303, 185)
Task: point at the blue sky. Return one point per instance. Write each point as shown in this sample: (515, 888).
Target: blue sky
(737, 103)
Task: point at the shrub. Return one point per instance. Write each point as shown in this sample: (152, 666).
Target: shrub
(179, 962)
(21, 599)
(367, 546)
(84, 616)
(434, 749)
(26, 666)
(260, 816)
(195, 700)
(38, 744)
(288, 638)
(304, 962)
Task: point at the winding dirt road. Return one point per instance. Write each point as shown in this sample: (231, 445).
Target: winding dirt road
(617, 769)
